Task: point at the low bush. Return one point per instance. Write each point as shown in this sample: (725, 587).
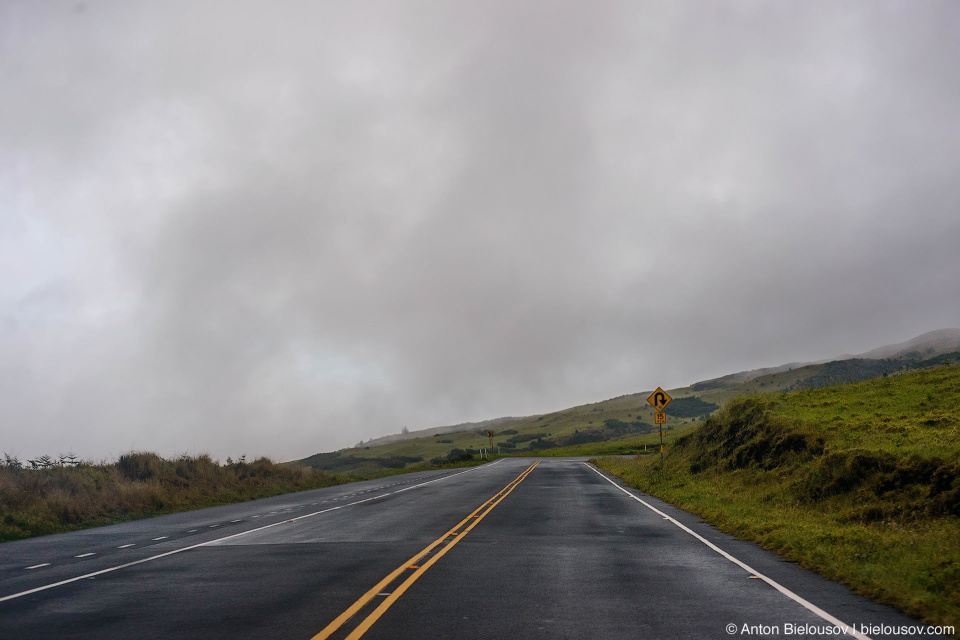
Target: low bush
(458, 455)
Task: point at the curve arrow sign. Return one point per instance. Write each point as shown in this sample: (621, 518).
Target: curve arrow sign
(659, 399)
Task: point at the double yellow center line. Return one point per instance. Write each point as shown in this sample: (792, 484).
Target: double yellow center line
(415, 567)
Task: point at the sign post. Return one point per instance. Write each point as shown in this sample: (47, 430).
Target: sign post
(490, 435)
(660, 399)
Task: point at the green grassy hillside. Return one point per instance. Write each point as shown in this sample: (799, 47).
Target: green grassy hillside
(860, 482)
(609, 420)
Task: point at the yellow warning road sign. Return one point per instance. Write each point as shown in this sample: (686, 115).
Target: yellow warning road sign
(660, 417)
(659, 399)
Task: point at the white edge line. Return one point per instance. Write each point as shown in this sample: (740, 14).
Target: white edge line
(773, 583)
(235, 535)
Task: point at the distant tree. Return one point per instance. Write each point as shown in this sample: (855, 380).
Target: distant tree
(68, 460)
(43, 462)
(404, 430)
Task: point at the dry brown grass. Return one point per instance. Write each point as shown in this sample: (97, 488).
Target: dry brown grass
(64, 498)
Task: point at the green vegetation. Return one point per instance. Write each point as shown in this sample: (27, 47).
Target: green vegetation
(631, 445)
(67, 497)
(357, 465)
(859, 482)
(691, 407)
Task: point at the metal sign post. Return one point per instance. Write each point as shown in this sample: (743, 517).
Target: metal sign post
(660, 399)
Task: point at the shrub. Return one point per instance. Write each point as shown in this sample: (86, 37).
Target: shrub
(140, 466)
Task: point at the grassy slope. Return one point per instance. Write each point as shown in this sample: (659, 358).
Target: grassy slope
(553, 426)
(646, 444)
(859, 482)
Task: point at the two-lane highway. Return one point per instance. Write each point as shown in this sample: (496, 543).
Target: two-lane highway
(518, 548)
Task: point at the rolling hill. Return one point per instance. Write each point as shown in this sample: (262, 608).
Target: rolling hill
(630, 415)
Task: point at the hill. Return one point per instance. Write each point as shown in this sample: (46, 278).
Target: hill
(628, 415)
(464, 426)
(928, 345)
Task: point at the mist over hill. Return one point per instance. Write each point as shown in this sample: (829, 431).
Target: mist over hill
(928, 345)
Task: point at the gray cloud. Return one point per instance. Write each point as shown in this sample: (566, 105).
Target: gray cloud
(246, 229)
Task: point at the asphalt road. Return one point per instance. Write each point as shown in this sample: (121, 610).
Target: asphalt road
(518, 548)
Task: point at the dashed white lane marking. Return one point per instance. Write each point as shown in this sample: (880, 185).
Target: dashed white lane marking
(124, 546)
(235, 535)
(254, 516)
(192, 531)
(161, 538)
(37, 566)
(753, 572)
(214, 525)
(85, 555)
(232, 521)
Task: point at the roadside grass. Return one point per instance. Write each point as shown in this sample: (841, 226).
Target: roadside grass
(36, 502)
(646, 444)
(859, 482)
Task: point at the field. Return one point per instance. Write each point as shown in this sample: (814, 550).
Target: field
(859, 482)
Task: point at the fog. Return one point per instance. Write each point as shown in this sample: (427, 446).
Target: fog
(281, 228)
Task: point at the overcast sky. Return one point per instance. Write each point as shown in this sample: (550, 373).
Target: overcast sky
(277, 228)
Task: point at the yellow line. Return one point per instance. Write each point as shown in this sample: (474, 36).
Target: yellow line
(474, 519)
(386, 604)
